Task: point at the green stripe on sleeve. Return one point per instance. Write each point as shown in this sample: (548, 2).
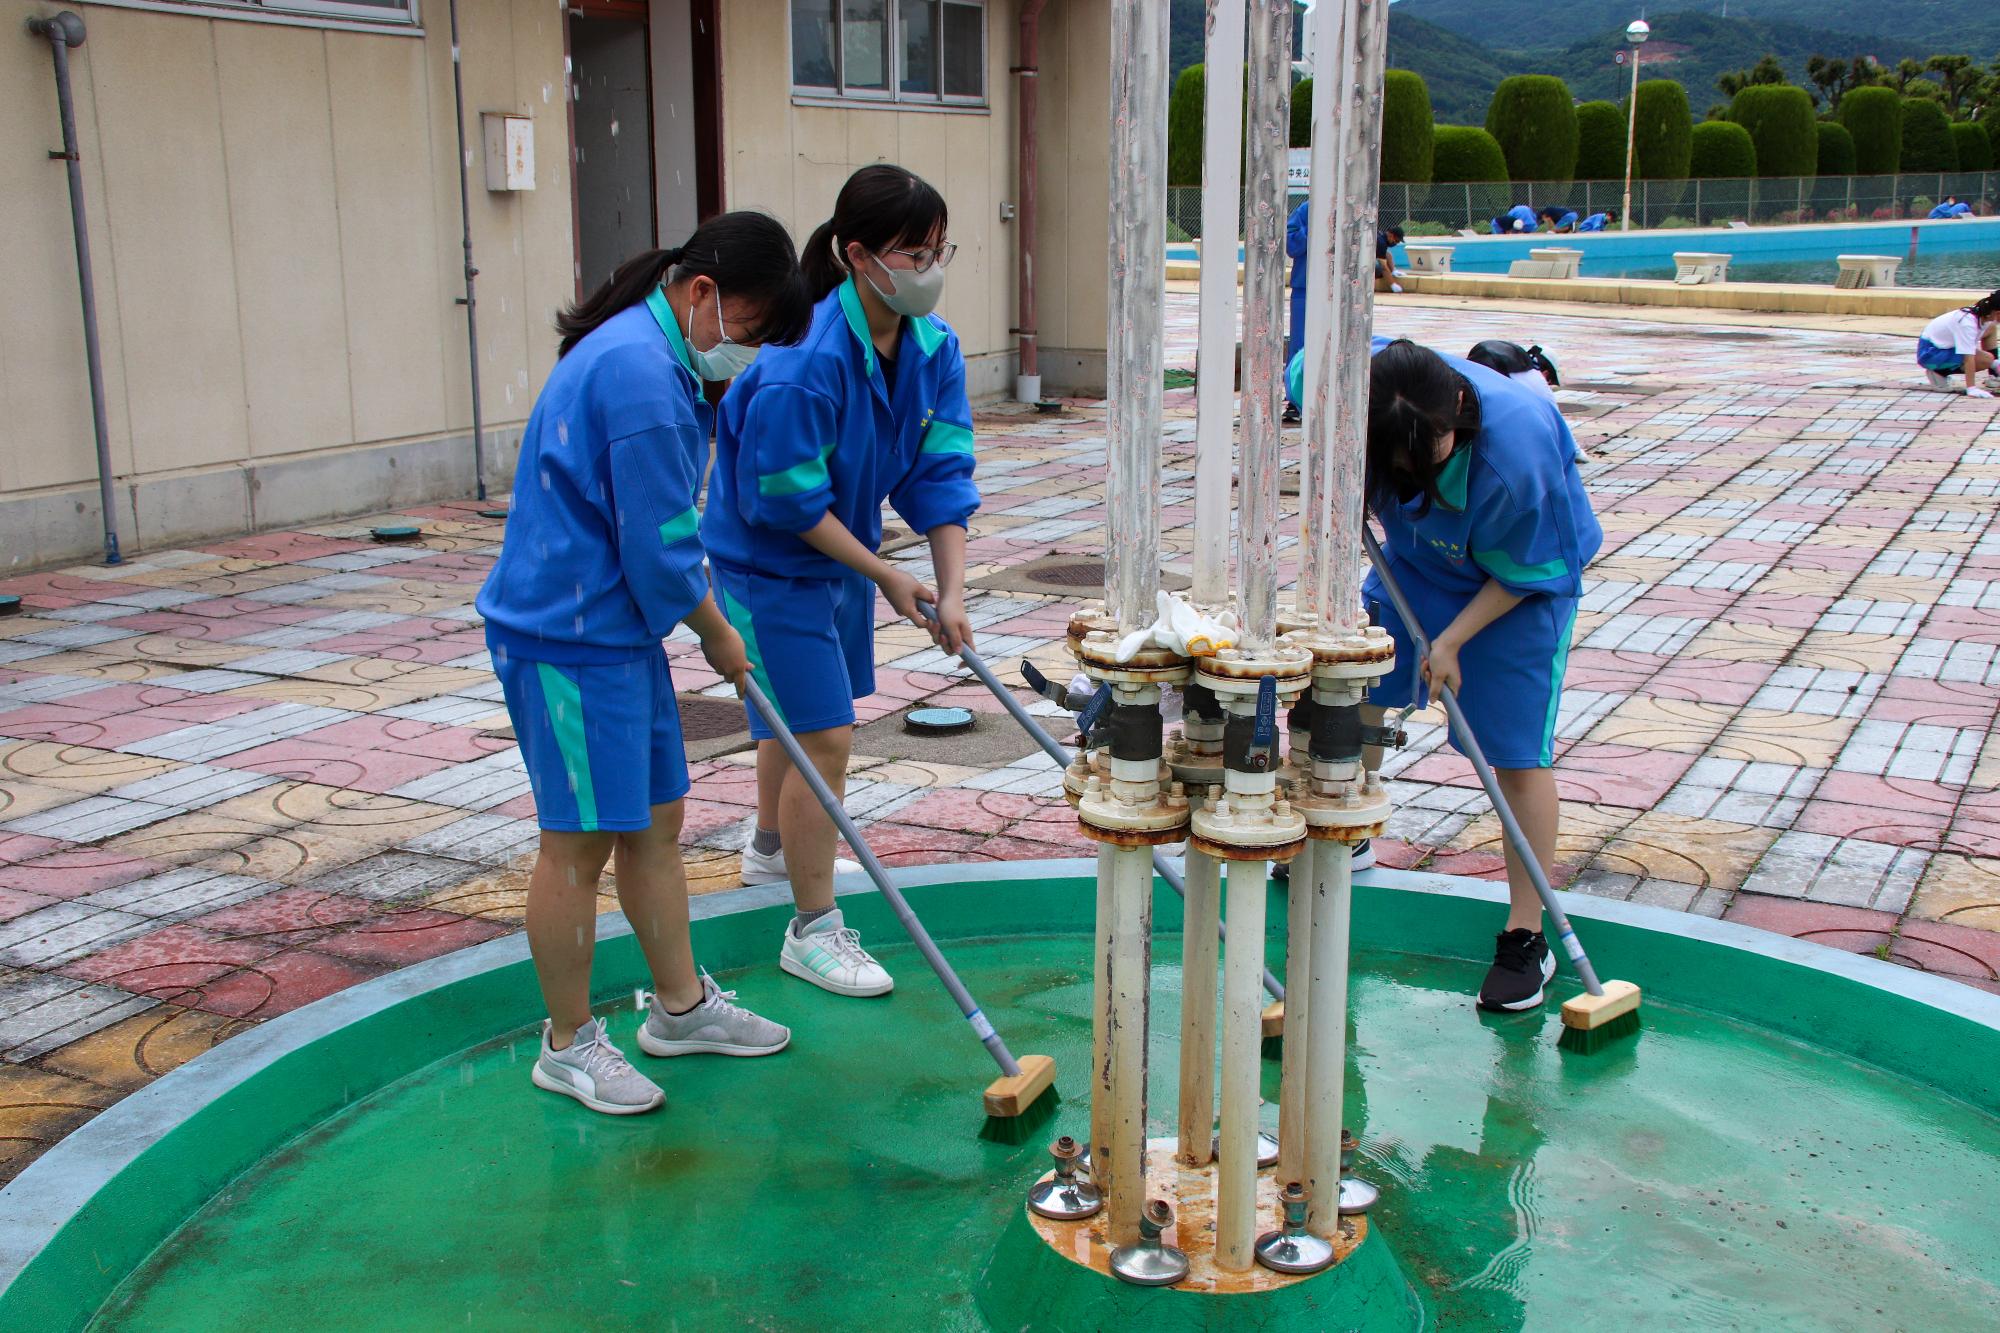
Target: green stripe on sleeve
(681, 528)
(1501, 566)
(806, 476)
(564, 702)
(945, 437)
(739, 617)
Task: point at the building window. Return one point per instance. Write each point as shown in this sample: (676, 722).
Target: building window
(402, 13)
(913, 51)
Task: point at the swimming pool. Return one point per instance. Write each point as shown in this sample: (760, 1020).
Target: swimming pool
(1963, 252)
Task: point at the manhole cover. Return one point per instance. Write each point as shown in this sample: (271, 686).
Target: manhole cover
(1070, 574)
(708, 719)
(937, 721)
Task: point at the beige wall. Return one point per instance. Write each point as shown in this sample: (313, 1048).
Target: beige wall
(791, 159)
(275, 227)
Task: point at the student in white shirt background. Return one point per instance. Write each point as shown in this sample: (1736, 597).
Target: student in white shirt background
(1962, 341)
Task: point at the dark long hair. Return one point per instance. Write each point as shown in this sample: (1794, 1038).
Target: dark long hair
(880, 206)
(1413, 399)
(748, 255)
(1986, 307)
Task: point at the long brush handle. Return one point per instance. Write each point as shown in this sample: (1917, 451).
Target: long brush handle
(925, 945)
(1054, 749)
(1516, 839)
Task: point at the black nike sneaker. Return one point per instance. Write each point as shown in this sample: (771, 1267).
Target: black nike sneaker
(1522, 965)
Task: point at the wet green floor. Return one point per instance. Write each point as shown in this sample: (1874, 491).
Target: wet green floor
(1704, 1176)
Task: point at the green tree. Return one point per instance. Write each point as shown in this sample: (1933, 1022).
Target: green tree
(1186, 115)
(1907, 73)
(1874, 116)
(1958, 80)
(1927, 141)
(1302, 114)
(1767, 70)
(1975, 150)
(1834, 79)
(1408, 127)
(1780, 120)
(1468, 153)
(1600, 141)
(1835, 148)
(1722, 148)
(1533, 119)
(1662, 139)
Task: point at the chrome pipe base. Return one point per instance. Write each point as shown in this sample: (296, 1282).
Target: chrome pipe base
(1150, 1263)
(1356, 1195)
(1293, 1249)
(1064, 1197)
(1267, 1150)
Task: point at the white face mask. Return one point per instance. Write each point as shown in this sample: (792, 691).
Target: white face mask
(724, 361)
(915, 294)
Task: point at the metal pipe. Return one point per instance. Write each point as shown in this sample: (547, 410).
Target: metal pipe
(1326, 1033)
(1134, 333)
(1270, 55)
(1242, 1041)
(1118, 1150)
(1200, 930)
(1631, 139)
(1298, 1012)
(1325, 31)
(470, 301)
(1028, 378)
(1215, 367)
(64, 31)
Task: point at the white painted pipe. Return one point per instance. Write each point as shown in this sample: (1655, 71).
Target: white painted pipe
(1199, 945)
(1215, 382)
(1298, 1017)
(1100, 1006)
(1137, 302)
(1325, 28)
(1264, 300)
(1326, 1034)
(1118, 1153)
(1242, 1061)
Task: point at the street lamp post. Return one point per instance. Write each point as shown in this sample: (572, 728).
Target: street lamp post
(1636, 33)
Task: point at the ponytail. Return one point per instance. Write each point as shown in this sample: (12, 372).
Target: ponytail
(1986, 307)
(747, 255)
(881, 206)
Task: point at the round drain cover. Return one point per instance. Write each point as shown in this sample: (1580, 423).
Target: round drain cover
(493, 513)
(396, 534)
(10, 605)
(937, 721)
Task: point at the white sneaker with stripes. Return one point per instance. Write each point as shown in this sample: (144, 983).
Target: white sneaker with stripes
(830, 956)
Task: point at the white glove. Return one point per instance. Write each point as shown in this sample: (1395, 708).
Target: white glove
(1181, 630)
(1396, 287)
(1974, 391)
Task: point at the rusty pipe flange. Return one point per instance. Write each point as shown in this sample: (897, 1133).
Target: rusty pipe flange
(1108, 817)
(1194, 770)
(1345, 818)
(1294, 619)
(1097, 764)
(1097, 654)
(1363, 655)
(1281, 853)
(1235, 672)
(1090, 618)
(1247, 826)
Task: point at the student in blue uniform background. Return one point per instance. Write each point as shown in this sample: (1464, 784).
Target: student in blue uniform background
(1296, 236)
(871, 406)
(1518, 218)
(1487, 529)
(600, 563)
(1560, 219)
(1598, 221)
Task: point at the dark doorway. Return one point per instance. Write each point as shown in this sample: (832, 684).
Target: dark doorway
(615, 199)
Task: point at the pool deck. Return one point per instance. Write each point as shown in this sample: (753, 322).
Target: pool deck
(240, 777)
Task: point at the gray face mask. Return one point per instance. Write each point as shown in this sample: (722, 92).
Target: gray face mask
(724, 361)
(915, 294)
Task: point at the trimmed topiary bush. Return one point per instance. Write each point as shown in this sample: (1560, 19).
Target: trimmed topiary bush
(1600, 141)
(1927, 141)
(1975, 150)
(1663, 142)
(1534, 121)
(1836, 148)
(1468, 153)
(1302, 114)
(1780, 120)
(1721, 148)
(1408, 128)
(1874, 117)
(1186, 115)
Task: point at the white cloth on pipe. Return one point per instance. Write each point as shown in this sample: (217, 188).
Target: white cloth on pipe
(1182, 630)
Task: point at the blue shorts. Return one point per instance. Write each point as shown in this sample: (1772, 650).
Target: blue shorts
(1513, 668)
(1941, 359)
(602, 742)
(811, 643)
(1295, 336)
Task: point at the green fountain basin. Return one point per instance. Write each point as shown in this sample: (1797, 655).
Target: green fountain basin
(1797, 1138)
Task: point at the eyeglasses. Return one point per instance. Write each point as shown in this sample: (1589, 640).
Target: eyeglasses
(924, 258)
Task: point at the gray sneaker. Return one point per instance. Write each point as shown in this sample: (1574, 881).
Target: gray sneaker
(713, 1027)
(596, 1073)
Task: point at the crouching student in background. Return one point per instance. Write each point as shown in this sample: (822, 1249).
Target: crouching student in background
(1962, 341)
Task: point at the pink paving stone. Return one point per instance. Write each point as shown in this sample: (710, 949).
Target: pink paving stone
(179, 624)
(1477, 865)
(19, 902)
(1395, 854)
(891, 840)
(1446, 768)
(701, 818)
(408, 937)
(1618, 774)
(1706, 682)
(1619, 673)
(729, 784)
(76, 871)
(1029, 849)
(169, 961)
(35, 721)
(1962, 624)
(18, 847)
(1951, 950)
(336, 766)
(127, 698)
(288, 915)
(283, 547)
(962, 810)
(520, 807)
(249, 616)
(1902, 795)
(106, 734)
(278, 985)
(1973, 837)
(1894, 705)
(1900, 828)
(68, 587)
(1855, 929)
(183, 709)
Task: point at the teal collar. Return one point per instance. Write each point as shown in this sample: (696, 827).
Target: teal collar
(663, 315)
(924, 333)
(1454, 476)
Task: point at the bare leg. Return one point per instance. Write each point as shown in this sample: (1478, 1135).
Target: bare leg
(772, 766)
(1532, 794)
(652, 888)
(808, 834)
(562, 924)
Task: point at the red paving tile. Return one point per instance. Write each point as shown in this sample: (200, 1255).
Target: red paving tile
(18, 847)
(75, 871)
(1952, 950)
(1855, 929)
(402, 938)
(1899, 828)
(336, 766)
(288, 915)
(170, 962)
(19, 902)
(277, 985)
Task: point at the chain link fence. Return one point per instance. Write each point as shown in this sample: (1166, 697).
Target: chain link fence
(1443, 208)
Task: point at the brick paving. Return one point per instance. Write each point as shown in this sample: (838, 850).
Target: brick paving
(239, 777)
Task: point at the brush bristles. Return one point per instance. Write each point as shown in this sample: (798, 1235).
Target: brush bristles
(1585, 1041)
(1018, 1129)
